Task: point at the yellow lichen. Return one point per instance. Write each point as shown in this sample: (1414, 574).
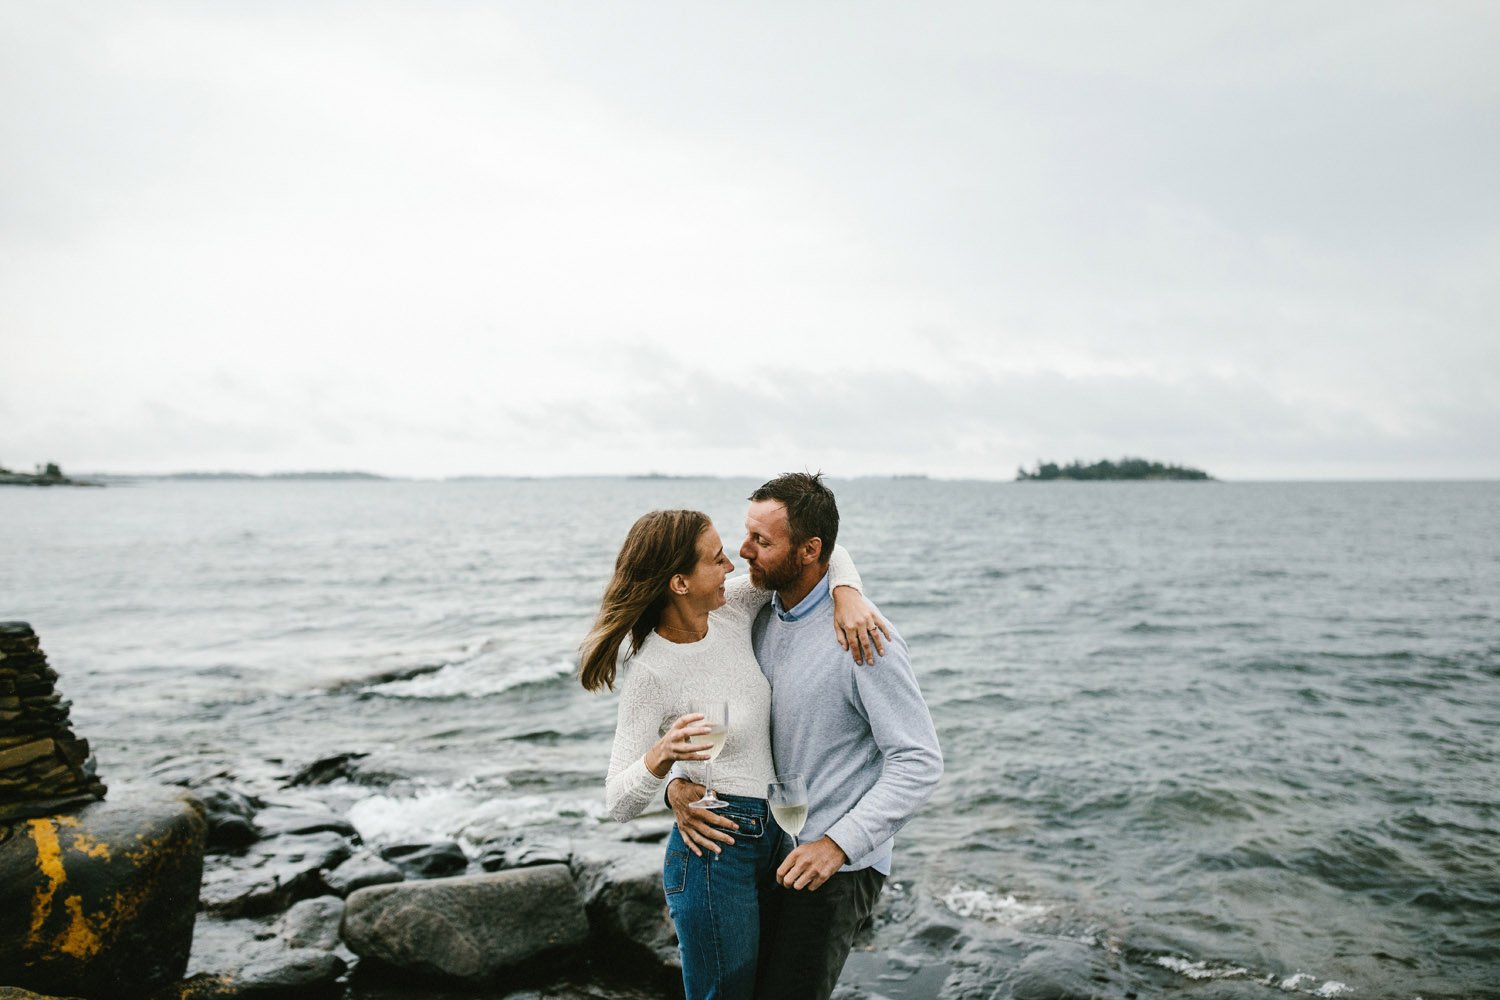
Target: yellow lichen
(49, 860)
(79, 939)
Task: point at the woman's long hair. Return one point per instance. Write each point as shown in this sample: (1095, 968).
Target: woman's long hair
(660, 545)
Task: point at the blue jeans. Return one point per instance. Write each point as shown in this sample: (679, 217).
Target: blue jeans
(715, 902)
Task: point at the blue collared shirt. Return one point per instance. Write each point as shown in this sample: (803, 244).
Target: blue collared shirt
(806, 606)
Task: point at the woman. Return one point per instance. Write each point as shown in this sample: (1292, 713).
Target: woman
(690, 641)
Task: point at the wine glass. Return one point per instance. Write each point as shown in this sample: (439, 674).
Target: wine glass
(716, 718)
(788, 798)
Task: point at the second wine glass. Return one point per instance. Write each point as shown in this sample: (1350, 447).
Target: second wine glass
(787, 796)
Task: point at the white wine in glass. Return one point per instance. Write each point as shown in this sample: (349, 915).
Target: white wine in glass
(787, 795)
(716, 718)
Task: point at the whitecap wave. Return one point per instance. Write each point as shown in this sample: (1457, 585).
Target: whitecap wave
(482, 675)
(468, 815)
(1200, 970)
(983, 905)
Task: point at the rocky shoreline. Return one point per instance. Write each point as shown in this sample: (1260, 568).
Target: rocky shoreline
(210, 886)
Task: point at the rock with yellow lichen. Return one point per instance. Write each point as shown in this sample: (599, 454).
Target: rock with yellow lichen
(101, 902)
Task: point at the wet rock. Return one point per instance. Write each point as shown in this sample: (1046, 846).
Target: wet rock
(231, 817)
(278, 821)
(271, 875)
(16, 993)
(312, 923)
(436, 860)
(467, 928)
(203, 986)
(524, 854)
(288, 970)
(327, 770)
(364, 868)
(621, 887)
(102, 902)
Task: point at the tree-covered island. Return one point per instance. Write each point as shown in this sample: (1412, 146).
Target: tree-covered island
(1125, 468)
(45, 475)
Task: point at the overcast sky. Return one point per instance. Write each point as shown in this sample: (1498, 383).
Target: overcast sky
(738, 238)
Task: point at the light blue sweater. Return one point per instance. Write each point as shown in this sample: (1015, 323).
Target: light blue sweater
(861, 735)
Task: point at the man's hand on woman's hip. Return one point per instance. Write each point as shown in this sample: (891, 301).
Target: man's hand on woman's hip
(701, 829)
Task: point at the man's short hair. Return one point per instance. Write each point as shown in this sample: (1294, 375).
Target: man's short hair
(811, 511)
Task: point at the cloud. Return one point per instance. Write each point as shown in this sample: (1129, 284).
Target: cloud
(545, 239)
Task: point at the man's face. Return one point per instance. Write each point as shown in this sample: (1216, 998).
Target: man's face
(768, 549)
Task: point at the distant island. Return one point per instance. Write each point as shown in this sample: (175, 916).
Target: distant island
(235, 476)
(45, 475)
(1125, 468)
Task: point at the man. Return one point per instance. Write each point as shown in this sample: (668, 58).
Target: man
(861, 736)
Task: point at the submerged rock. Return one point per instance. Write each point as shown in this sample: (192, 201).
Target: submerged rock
(467, 928)
(101, 903)
(1063, 970)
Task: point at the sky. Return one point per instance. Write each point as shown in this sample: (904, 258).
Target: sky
(541, 238)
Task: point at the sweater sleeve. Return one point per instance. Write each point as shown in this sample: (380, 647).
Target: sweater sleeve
(841, 571)
(902, 727)
(630, 786)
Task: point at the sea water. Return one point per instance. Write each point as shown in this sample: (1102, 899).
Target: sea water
(1198, 733)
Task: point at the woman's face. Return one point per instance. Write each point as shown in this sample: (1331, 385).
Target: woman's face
(705, 584)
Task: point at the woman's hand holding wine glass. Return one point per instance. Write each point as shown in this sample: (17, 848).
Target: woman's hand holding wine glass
(684, 741)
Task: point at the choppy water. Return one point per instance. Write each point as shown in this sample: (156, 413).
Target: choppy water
(1211, 737)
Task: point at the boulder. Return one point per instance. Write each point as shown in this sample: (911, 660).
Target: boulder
(271, 875)
(101, 903)
(362, 869)
(468, 928)
(312, 923)
(622, 891)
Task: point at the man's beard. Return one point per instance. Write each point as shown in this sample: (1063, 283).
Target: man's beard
(778, 576)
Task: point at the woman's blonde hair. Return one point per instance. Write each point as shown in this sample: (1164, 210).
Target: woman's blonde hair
(660, 545)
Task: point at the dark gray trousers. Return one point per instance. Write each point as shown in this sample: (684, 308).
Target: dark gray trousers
(805, 936)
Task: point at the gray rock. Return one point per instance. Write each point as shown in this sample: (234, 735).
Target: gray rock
(467, 928)
(271, 875)
(102, 902)
(230, 815)
(440, 859)
(364, 868)
(312, 923)
(290, 969)
(524, 854)
(621, 887)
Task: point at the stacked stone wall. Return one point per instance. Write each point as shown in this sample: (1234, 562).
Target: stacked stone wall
(44, 767)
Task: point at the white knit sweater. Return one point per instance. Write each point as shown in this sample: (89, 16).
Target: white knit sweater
(663, 678)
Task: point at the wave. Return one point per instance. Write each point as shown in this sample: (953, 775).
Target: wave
(480, 676)
(980, 904)
(469, 815)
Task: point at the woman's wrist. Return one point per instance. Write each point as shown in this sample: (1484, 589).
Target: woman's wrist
(657, 762)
